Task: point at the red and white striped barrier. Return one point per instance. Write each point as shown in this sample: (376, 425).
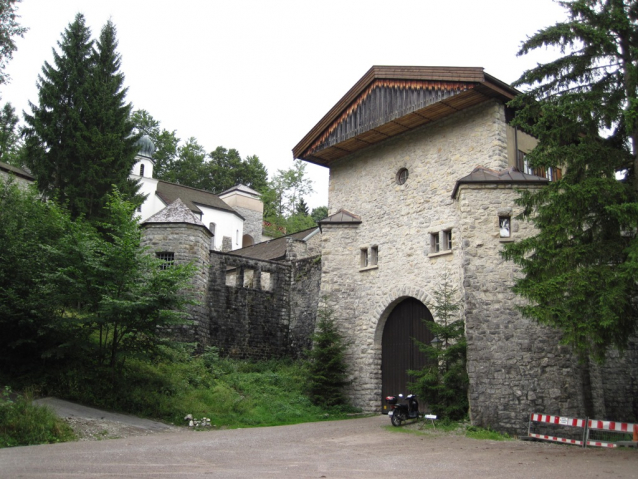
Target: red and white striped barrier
(558, 421)
(610, 426)
(586, 425)
(562, 440)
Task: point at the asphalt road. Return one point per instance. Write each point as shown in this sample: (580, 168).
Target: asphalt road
(357, 448)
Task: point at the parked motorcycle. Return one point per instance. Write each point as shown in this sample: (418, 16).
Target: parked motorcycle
(402, 412)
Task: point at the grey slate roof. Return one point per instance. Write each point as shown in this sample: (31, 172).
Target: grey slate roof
(511, 176)
(341, 217)
(169, 192)
(176, 212)
(243, 189)
(274, 249)
(16, 171)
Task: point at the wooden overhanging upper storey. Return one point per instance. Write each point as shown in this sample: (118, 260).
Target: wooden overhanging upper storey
(389, 101)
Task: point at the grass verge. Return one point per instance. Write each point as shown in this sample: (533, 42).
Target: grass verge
(24, 424)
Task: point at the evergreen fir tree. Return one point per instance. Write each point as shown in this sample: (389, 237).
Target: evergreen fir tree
(328, 369)
(78, 139)
(113, 143)
(443, 382)
(581, 269)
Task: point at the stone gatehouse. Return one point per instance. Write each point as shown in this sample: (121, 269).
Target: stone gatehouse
(424, 172)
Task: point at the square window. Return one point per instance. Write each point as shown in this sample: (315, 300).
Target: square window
(167, 258)
(505, 226)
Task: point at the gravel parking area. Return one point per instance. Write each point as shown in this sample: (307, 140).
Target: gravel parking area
(356, 448)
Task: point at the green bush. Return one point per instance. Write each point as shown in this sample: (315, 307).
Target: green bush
(23, 424)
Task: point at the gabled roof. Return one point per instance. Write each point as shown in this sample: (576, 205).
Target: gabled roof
(274, 249)
(242, 189)
(169, 192)
(16, 171)
(341, 217)
(390, 100)
(511, 176)
(176, 212)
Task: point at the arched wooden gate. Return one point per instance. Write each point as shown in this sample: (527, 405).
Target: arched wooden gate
(398, 351)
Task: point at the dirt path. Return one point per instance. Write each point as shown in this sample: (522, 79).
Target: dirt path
(358, 448)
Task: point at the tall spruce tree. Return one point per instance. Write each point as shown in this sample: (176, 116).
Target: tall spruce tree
(79, 140)
(580, 271)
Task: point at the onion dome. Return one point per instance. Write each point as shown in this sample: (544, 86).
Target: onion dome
(147, 148)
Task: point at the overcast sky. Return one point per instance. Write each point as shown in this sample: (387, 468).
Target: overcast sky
(258, 75)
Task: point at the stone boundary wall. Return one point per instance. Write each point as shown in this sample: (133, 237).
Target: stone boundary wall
(304, 300)
(248, 306)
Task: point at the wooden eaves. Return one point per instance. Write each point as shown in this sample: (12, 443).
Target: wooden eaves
(467, 86)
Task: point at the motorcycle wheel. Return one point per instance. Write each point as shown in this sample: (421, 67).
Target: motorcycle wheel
(396, 418)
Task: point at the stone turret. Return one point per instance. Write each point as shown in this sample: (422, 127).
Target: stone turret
(179, 237)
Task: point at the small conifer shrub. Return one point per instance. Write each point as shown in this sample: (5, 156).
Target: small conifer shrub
(328, 369)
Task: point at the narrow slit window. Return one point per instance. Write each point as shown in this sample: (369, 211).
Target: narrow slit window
(364, 257)
(435, 244)
(447, 234)
(374, 255)
(142, 169)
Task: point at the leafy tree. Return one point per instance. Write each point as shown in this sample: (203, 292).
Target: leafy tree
(328, 369)
(319, 213)
(33, 326)
(189, 167)
(580, 270)
(281, 199)
(9, 29)
(118, 288)
(79, 138)
(227, 169)
(443, 382)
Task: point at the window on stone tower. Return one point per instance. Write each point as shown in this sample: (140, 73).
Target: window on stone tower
(168, 258)
(374, 255)
(505, 226)
(142, 169)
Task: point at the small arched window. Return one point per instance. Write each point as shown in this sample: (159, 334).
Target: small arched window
(142, 169)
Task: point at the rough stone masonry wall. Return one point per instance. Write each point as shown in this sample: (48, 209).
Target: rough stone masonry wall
(249, 315)
(304, 300)
(399, 219)
(253, 222)
(515, 365)
(190, 244)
